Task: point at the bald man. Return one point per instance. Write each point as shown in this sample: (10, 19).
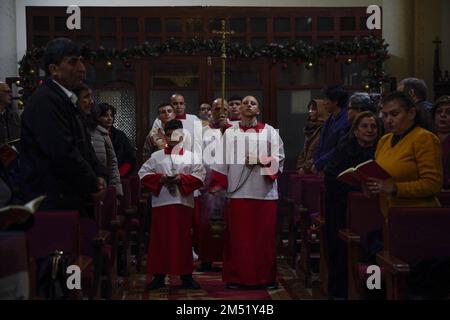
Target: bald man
(249, 177)
(211, 207)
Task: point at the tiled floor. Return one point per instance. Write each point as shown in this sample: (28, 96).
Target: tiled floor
(290, 287)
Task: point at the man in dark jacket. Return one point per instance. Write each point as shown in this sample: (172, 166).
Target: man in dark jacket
(417, 90)
(336, 126)
(57, 157)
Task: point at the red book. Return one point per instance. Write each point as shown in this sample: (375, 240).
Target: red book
(362, 172)
(7, 154)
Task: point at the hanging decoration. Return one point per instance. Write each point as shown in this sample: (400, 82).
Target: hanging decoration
(298, 51)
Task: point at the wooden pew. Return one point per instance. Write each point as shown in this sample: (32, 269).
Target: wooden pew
(127, 213)
(284, 212)
(412, 235)
(444, 199)
(311, 187)
(295, 209)
(363, 217)
(60, 230)
(109, 225)
(14, 273)
(140, 201)
(320, 222)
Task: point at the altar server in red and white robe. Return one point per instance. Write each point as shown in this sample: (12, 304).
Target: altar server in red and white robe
(172, 175)
(234, 109)
(211, 211)
(192, 127)
(191, 124)
(250, 178)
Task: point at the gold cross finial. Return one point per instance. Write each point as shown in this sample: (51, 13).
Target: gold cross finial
(223, 34)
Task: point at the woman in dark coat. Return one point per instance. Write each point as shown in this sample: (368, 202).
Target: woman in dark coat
(317, 117)
(357, 148)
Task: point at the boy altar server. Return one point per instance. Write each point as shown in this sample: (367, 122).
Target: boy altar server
(172, 175)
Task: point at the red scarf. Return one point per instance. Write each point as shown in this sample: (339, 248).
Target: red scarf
(168, 150)
(259, 127)
(181, 116)
(216, 126)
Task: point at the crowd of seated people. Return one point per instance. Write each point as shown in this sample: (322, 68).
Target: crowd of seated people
(404, 133)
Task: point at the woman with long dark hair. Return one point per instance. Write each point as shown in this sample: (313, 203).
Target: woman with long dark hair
(101, 142)
(126, 157)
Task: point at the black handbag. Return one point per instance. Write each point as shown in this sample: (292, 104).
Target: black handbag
(52, 276)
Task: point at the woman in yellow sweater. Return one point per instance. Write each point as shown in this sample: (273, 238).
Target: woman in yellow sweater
(410, 154)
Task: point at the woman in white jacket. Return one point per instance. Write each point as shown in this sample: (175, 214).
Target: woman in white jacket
(100, 139)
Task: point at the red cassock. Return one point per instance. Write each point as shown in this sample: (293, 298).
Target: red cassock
(249, 256)
(196, 221)
(170, 248)
(211, 249)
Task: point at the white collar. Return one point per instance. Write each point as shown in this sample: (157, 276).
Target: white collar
(72, 96)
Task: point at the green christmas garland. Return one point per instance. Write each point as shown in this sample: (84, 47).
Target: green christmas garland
(375, 49)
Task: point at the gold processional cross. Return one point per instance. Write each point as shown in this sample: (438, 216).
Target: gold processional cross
(223, 33)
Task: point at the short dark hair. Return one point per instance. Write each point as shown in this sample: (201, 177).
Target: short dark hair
(407, 102)
(404, 98)
(57, 49)
(442, 101)
(164, 104)
(101, 109)
(173, 125)
(82, 87)
(336, 93)
(235, 97)
(418, 85)
(362, 101)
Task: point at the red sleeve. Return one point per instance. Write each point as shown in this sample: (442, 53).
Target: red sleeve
(218, 181)
(152, 183)
(124, 169)
(266, 164)
(273, 177)
(189, 183)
